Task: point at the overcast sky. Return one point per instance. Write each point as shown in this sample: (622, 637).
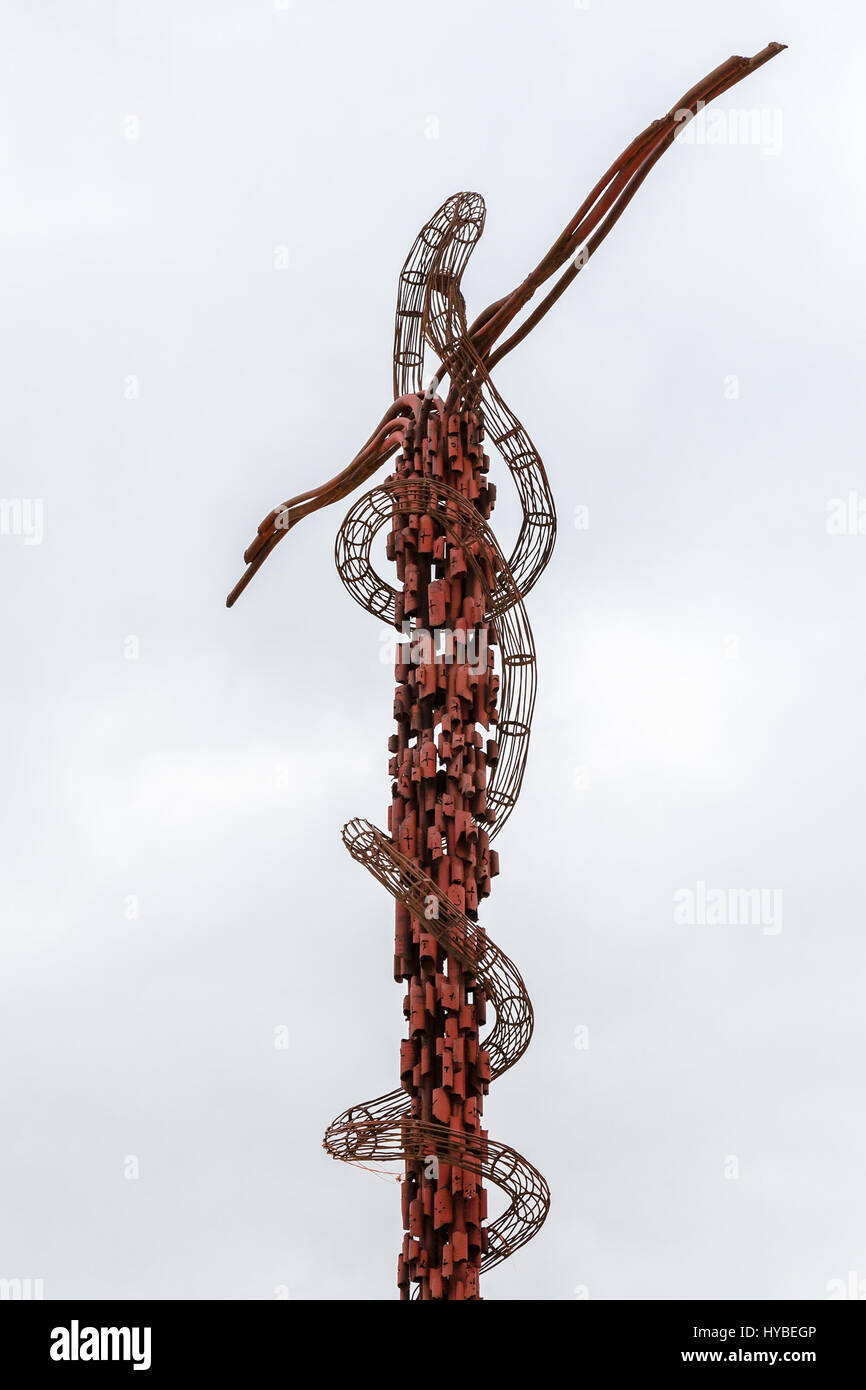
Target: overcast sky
(205, 210)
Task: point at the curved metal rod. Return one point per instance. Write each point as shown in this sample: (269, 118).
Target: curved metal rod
(416, 319)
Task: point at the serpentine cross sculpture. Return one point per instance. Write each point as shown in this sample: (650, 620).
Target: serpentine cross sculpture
(454, 787)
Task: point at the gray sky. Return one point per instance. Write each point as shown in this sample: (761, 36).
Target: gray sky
(701, 658)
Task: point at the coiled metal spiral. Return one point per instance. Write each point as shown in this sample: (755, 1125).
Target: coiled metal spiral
(430, 309)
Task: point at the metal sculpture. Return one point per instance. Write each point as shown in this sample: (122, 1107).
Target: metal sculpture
(453, 790)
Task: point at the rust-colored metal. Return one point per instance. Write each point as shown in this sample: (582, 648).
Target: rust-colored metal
(453, 787)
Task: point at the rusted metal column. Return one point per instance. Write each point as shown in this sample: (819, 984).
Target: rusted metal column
(445, 697)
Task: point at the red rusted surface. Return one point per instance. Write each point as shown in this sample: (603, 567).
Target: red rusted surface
(438, 817)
